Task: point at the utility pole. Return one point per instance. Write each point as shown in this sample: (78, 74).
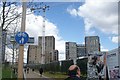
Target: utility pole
(43, 8)
(21, 49)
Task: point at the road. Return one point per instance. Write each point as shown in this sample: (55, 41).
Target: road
(32, 75)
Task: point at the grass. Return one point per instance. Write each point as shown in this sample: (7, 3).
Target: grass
(0, 72)
(60, 75)
(6, 72)
(55, 75)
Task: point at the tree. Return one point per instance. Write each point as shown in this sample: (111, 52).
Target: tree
(8, 16)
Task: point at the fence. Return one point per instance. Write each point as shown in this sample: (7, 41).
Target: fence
(62, 66)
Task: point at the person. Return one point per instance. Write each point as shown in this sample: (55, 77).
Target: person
(73, 73)
(27, 69)
(41, 71)
(33, 69)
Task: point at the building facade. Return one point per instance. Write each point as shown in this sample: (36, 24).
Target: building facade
(81, 50)
(71, 50)
(34, 54)
(92, 44)
(49, 47)
(55, 55)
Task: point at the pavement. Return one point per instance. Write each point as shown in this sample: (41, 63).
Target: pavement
(34, 75)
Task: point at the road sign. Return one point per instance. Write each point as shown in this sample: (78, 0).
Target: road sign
(12, 39)
(31, 40)
(21, 37)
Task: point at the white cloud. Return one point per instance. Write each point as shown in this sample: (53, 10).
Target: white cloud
(83, 43)
(115, 39)
(72, 11)
(104, 49)
(34, 28)
(99, 14)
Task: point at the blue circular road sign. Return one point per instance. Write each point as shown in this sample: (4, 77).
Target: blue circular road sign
(21, 37)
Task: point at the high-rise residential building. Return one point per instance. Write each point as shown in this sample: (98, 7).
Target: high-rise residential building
(92, 44)
(55, 55)
(81, 50)
(34, 54)
(49, 47)
(71, 50)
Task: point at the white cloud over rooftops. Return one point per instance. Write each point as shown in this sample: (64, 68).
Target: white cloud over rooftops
(34, 28)
(98, 14)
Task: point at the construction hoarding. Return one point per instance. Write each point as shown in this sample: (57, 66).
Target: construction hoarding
(96, 66)
(104, 65)
(113, 64)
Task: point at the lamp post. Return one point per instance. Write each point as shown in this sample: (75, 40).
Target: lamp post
(13, 49)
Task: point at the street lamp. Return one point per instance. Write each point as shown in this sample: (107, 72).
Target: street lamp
(12, 40)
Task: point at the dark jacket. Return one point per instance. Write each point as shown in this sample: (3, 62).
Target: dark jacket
(41, 70)
(73, 78)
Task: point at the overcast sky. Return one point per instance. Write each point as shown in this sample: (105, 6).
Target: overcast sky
(73, 21)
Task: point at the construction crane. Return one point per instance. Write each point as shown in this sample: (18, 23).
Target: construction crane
(43, 8)
(43, 34)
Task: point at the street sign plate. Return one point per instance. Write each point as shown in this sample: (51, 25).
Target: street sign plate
(12, 39)
(21, 37)
(31, 40)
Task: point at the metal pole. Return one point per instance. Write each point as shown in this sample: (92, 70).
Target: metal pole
(12, 60)
(0, 52)
(21, 49)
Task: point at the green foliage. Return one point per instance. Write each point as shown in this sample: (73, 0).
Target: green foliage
(62, 66)
(6, 73)
(65, 65)
(82, 63)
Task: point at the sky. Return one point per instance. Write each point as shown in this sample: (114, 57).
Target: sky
(72, 21)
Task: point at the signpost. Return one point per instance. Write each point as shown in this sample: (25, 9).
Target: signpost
(21, 37)
(30, 39)
(22, 41)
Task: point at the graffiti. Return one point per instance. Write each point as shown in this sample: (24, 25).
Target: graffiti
(96, 66)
